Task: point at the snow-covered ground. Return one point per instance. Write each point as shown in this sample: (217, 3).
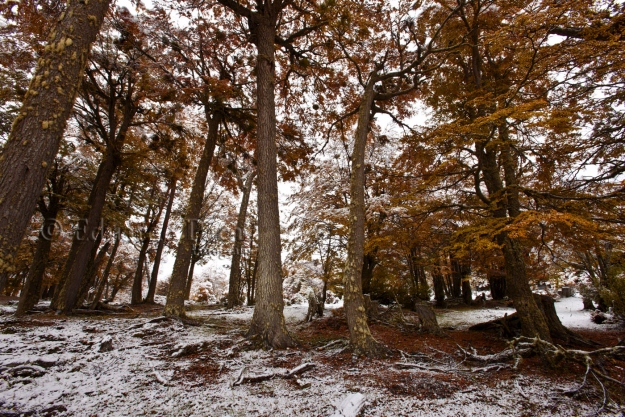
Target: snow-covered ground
(570, 310)
(147, 366)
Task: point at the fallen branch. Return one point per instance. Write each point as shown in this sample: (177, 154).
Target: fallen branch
(298, 370)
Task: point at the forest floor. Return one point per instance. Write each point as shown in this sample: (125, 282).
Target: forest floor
(140, 364)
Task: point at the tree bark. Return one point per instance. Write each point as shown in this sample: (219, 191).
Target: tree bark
(369, 263)
(90, 278)
(195, 257)
(184, 252)
(456, 278)
(137, 285)
(194, 260)
(497, 284)
(361, 339)
(161, 244)
(84, 239)
(268, 327)
(439, 289)
(32, 288)
(106, 273)
(37, 131)
(234, 287)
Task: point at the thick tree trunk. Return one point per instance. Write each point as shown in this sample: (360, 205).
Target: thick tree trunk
(32, 288)
(37, 131)
(84, 239)
(268, 327)
(161, 244)
(533, 321)
(360, 337)
(106, 273)
(184, 251)
(234, 288)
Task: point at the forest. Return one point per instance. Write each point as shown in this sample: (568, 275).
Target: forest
(312, 207)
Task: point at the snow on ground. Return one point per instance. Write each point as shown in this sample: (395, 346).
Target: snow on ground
(145, 366)
(570, 310)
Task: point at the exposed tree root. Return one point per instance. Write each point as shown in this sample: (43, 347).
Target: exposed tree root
(242, 378)
(595, 362)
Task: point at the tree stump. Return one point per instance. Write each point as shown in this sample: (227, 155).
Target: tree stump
(372, 308)
(427, 317)
(313, 307)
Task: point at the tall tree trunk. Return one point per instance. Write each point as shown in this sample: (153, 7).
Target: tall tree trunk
(360, 337)
(161, 243)
(184, 251)
(234, 287)
(268, 326)
(84, 239)
(32, 288)
(107, 271)
(37, 131)
(533, 321)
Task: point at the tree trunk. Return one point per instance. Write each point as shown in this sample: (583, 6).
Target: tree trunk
(32, 288)
(497, 284)
(84, 239)
(456, 278)
(588, 304)
(89, 270)
(252, 284)
(37, 131)
(234, 288)
(439, 289)
(461, 272)
(194, 260)
(184, 251)
(161, 243)
(268, 327)
(467, 294)
(533, 321)
(368, 265)
(360, 337)
(105, 274)
(90, 278)
(427, 317)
